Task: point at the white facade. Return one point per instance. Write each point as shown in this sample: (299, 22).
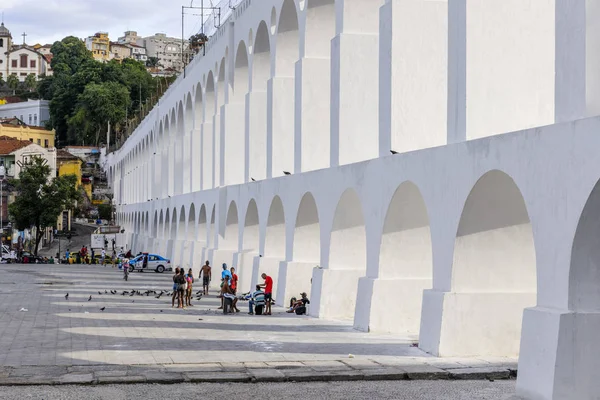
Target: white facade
(463, 229)
(19, 157)
(32, 112)
(166, 49)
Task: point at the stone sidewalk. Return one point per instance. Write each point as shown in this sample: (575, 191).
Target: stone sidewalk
(111, 338)
(315, 371)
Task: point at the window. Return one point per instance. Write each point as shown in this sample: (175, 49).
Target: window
(23, 60)
(29, 119)
(13, 63)
(35, 120)
(31, 140)
(23, 74)
(21, 117)
(1, 42)
(46, 143)
(39, 142)
(32, 64)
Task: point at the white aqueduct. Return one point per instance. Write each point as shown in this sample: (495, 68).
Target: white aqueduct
(480, 241)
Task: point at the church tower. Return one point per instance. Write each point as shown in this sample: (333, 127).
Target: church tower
(5, 46)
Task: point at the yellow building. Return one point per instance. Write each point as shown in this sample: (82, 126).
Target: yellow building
(68, 164)
(99, 45)
(15, 128)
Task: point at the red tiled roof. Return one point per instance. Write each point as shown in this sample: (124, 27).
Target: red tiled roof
(62, 154)
(9, 145)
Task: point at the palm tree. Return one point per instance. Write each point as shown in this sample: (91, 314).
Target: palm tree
(13, 82)
(30, 82)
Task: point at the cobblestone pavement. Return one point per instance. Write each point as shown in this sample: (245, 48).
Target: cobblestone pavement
(142, 339)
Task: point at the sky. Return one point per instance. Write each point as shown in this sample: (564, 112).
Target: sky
(46, 21)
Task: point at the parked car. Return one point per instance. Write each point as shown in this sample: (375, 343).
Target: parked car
(155, 263)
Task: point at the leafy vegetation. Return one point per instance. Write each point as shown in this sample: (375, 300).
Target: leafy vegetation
(86, 94)
(40, 199)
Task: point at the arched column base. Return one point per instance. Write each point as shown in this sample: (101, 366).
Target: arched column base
(375, 315)
(334, 292)
(559, 355)
(472, 324)
(294, 278)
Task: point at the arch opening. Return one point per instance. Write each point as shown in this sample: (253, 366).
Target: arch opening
(348, 247)
(191, 224)
(307, 232)
(493, 271)
(181, 226)
(320, 28)
(288, 48)
(261, 63)
(229, 240)
(584, 274)
(275, 234)
(241, 75)
(251, 228)
(201, 232)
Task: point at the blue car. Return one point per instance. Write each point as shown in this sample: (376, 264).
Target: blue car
(154, 263)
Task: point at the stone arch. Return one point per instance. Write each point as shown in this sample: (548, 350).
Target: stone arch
(229, 241)
(198, 106)
(181, 226)
(261, 61)
(180, 120)
(190, 230)
(167, 231)
(172, 123)
(210, 97)
(201, 229)
(493, 271)
(155, 225)
(288, 48)
(251, 235)
(320, 28)
(584, 274)
(189, 115)
(348, 243)
(221, 78)
(211, 226)
(161, 225)
(241, 76)
(275, 233)
(502, 240)
(307, 231)
(405, 262)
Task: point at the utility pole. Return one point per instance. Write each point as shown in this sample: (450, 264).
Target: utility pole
(108, 137)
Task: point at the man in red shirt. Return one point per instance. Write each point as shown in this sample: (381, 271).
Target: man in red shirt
(268, 285)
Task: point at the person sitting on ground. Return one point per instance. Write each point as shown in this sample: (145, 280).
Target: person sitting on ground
(257, 301)
(224, 274)
(299, 306)
(227, 293)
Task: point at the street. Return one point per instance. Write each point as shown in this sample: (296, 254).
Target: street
(404, 390)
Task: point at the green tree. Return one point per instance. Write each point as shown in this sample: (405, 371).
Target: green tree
(13, 82)
(68, 55)
(40, 199)
(97, 105)
(2, 83)
(30, 82)
(197, 41)
(105, 211)
(152, 62)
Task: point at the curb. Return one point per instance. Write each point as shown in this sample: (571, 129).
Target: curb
(151, 374)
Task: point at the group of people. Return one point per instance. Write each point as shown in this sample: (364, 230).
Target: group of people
(182, 288)
(260, 300)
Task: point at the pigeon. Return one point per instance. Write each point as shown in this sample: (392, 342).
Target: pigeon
(160, 310)
(67, 296)
(253, 180)
(158, 297)
(286, 173)
(393, 152)
(90, 299)
(105, 292)
(103, 308)
(99, 292)
(132, 293)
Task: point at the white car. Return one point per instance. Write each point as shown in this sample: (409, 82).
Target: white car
(155, 263)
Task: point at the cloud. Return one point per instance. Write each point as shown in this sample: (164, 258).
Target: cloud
(46, 21)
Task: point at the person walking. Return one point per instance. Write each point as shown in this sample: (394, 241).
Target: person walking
(205, 275)
(181, 288)
(103, 257)
(233, 285)
(268, 285)
(175, 291)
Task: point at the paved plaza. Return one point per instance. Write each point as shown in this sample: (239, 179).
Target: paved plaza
(47, 339)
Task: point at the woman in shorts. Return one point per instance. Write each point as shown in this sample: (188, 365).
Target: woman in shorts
(190, 280)
(175, 277)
